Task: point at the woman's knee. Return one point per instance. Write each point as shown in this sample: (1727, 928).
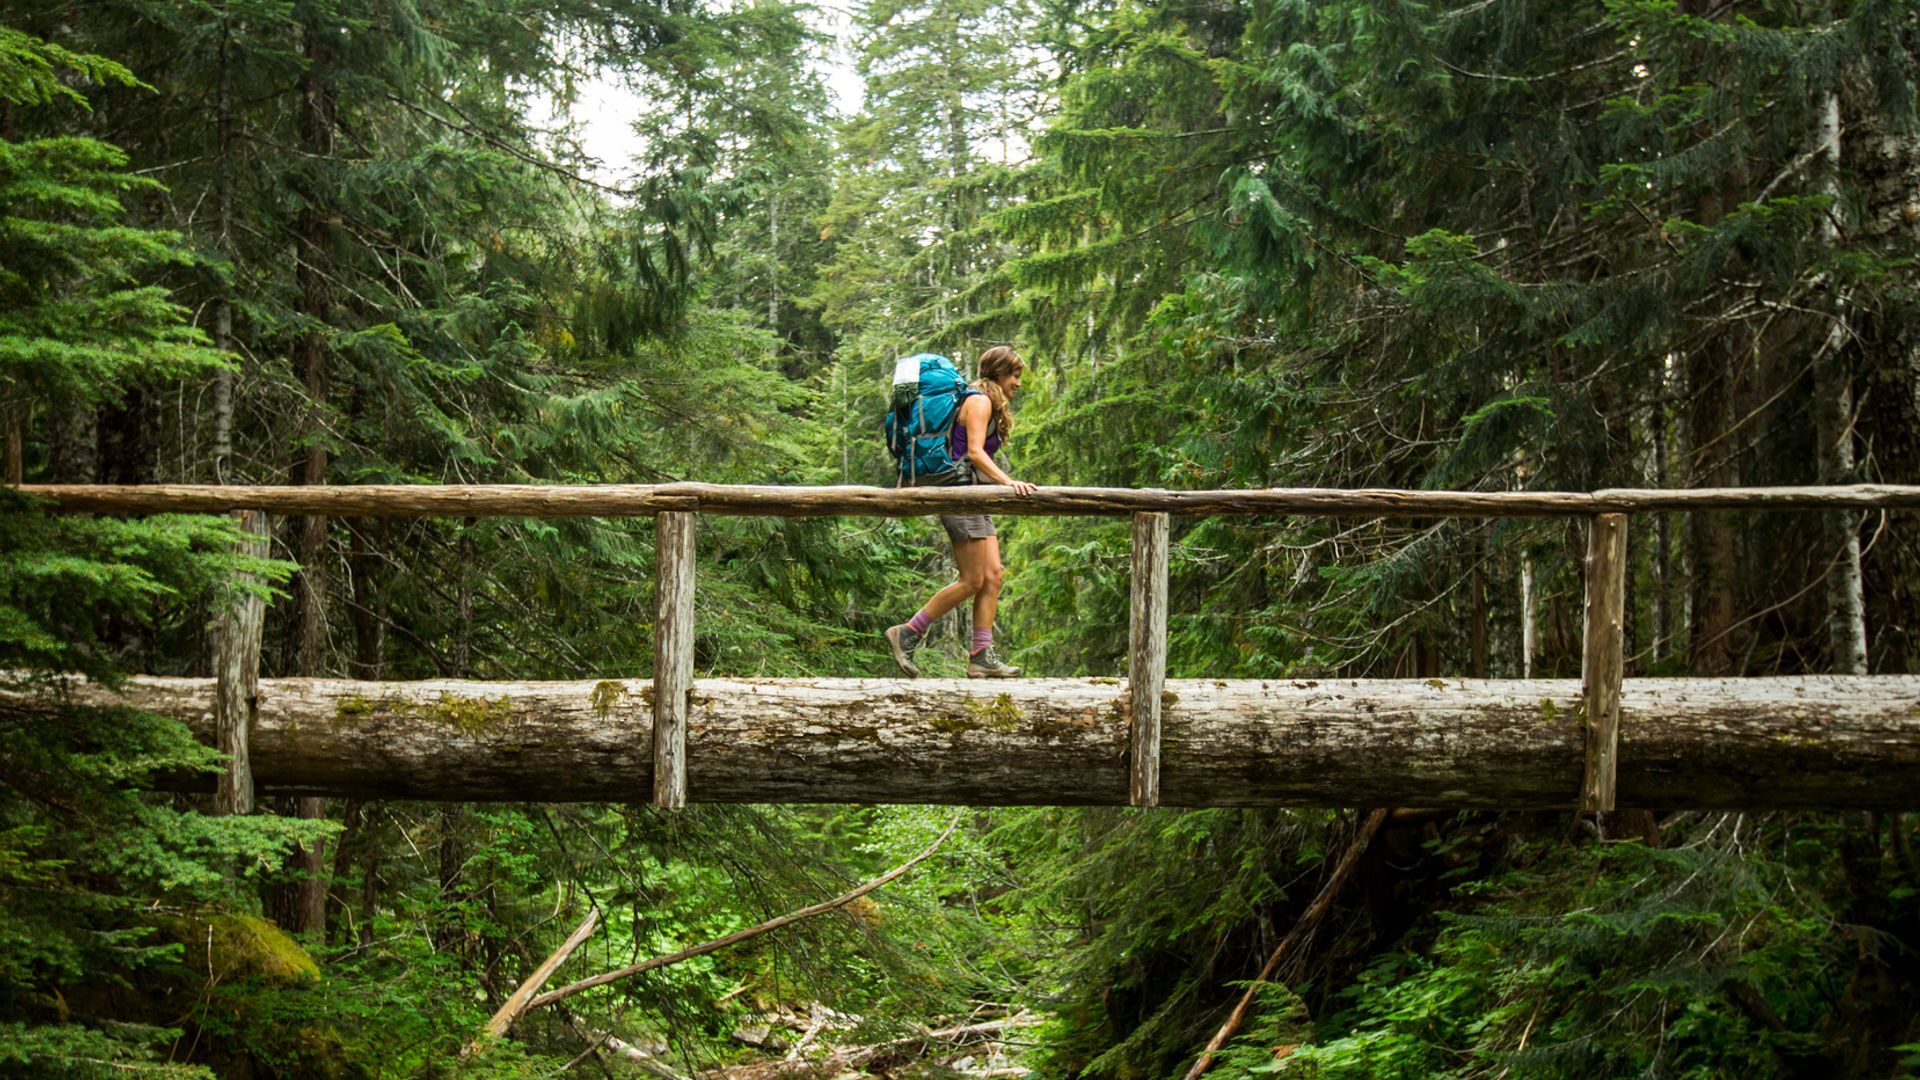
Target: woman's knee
(990, 578)
(975, 578)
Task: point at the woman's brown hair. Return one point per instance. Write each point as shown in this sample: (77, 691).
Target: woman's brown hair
(996, 362)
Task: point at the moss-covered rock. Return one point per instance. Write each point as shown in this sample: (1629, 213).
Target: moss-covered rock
(230, 946)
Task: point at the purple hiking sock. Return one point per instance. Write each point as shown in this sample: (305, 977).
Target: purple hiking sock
(920, 621)
(982, 639)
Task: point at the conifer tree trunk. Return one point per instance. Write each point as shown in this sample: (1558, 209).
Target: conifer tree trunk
(1833, 431)
(1528, 631)
(74, 437)
(1883, 164)
(447, 930)
(1712, 450)
(314, 246)
(369, 597)
(124, 440)
(1710, 539)
(1663, 593)
(16, 420)
(223, 224)
(350, 840)
(317, 104)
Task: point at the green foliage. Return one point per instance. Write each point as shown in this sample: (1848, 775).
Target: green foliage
(60, 573)
(1609, 960)
(1249, 244)
(75, 321)
(90, 867)
(81, 1053)
(31, 70)
(1129, 955)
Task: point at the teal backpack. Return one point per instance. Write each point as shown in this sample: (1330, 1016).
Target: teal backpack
(927, 392)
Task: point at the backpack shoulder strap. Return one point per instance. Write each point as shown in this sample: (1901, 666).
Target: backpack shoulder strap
(960, 395)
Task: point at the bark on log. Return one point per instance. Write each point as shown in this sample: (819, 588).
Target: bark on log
(632, 500)
(1810, 741)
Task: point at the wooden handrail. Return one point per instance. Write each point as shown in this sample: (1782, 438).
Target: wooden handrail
(634, 500)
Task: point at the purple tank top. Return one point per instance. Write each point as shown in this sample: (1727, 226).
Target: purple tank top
(959, 442)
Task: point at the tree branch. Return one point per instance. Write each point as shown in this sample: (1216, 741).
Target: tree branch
(516, 1002)
(737, 936)
(467, 126)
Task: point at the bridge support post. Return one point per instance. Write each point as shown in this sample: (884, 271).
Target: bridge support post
(1604, 662)
(236, 661)
(1147, 656)
(672, 655)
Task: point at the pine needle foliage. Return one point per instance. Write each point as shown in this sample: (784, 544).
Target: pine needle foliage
(1715, 956)
(1390, 245)
(93, 871)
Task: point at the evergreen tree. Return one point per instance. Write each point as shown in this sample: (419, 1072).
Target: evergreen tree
(94, 874)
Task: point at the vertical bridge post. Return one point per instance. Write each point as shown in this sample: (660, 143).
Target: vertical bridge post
(1147, 656)
(672, 655)
(1604, 662)
(236, 661)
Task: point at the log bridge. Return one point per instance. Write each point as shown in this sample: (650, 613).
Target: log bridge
(1592, 744)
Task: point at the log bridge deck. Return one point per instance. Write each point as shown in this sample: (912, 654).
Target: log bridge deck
(1594, 743)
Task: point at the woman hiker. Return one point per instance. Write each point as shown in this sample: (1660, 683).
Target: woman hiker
(983, 425)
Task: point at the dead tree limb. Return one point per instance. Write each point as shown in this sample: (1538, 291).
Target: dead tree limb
(738, 936)
(843, 1059)
(516, 1002)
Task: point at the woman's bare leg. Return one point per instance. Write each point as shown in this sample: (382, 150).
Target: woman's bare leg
(986, 602)
(974, 557)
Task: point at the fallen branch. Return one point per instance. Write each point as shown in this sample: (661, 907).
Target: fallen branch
(643, 1060)
(737, 936)
(1301, 928)
(819, 1015)
(516, 1002)
(846, 1058)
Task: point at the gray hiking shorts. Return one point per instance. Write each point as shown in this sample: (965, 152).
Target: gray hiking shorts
(960, 527)
(967, 526)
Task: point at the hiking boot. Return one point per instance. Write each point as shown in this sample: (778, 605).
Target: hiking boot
(903, 639)
(986, 664)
